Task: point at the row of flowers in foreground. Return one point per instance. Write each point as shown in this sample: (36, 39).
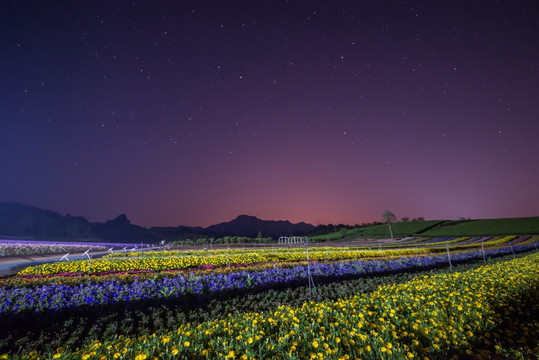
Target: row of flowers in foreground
(461, 243)
(160, 263)
(57, 296)
(279, 251)
(465, 242)
(430, 316)
(141, 275)
(206, 252)
(75, 279)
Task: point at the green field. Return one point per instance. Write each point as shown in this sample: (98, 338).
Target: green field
(400, 229)
(517, 226)
(480, 227)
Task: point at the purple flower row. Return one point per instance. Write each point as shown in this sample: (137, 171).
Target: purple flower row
(56, 297)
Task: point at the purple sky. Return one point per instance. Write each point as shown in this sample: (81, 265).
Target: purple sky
(316, 111)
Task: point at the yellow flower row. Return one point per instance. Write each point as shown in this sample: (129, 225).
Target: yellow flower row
(500, 241)
(424, 242)
(454, 241)
(531, 240)
(206, 252)
(430, 316)
(172, 260)
(160, 262)
(490, 243)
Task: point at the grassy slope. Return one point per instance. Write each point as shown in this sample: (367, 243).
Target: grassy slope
(514, 226)
(400, 229)
(431, 228)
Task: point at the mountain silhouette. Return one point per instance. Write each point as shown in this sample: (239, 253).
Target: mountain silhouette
(25, 221)
(121, 229)
(250, 226)
(18, 220)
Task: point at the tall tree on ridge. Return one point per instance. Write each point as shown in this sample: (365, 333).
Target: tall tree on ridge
(389, 217)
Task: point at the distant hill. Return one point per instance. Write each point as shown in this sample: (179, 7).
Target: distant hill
(121, 230)
(24, 221)
(245, 225)
(27, 221)
(180, 233)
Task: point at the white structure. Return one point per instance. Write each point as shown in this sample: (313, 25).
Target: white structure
(293, 240)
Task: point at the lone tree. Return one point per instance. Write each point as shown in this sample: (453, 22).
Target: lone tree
(389, 217)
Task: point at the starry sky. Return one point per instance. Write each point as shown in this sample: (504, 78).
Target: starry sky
(193, 112)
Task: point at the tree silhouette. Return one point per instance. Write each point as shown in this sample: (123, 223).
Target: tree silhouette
(389, 217)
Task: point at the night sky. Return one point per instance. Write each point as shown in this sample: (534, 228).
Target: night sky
(191, 113)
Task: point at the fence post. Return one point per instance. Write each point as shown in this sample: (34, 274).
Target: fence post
(449, 258)
(310, 279)
(483, 251)
(89, 261)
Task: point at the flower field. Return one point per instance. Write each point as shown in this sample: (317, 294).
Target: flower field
(34, 247)
(457, 300)
(23, 248)
(172, 260)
